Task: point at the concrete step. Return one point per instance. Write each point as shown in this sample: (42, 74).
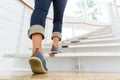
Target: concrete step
(73, 49)
(98, 46)
(62, 55)
(93, 45)
(106, 30)
(93, 62)
(101, 39)
(93, 41)
(100, 36)
(101, 33)
(90, 42)
(87, 48)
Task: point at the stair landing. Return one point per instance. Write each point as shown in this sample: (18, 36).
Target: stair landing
(23, 75)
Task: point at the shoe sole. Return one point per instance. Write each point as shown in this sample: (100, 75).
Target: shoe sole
(52, 54)
(37, 66)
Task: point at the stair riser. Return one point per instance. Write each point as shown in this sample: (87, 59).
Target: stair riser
(88, 49)
(88, 64)
(92, 42)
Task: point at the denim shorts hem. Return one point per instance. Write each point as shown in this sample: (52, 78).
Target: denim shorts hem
(36, 29)
(56, 34)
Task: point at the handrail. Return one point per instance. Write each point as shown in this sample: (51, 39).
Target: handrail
(26, 4)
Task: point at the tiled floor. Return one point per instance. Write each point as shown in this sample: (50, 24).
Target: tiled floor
(58, 76)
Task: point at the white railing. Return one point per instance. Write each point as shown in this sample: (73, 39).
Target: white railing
(115, 17)
(71, 27)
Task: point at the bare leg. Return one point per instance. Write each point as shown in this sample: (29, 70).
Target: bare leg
(37, 42)
(56, 41)
(37, 61)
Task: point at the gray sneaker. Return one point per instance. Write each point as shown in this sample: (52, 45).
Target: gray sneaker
(38, 63)
(54, 50)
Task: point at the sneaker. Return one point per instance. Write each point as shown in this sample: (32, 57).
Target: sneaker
(38, 63)
(55, 50)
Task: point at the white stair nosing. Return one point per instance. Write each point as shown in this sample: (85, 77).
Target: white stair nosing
(102, 31)
(94, 45)
(93, 41)
(101, 36)
(92, 33)
(98, 34)
(85, 38)
(88, 45)
(82, 54)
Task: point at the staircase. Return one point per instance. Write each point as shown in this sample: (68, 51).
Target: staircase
(81, 54)
(98, 50)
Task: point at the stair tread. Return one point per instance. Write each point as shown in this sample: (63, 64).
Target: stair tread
(102, 39)
(100, 36)
(66, 54)
(93, 40)
(95, 45)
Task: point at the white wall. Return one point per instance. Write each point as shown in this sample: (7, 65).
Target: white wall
(10, 23)
(11, 12)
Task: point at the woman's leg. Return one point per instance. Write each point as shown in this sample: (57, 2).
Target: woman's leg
(37, 42)
(59, 7)
(38, 18)
(36, 33)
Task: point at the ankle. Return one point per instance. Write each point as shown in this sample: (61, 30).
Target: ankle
(55, 45)
(38, 49)
(56, 41)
